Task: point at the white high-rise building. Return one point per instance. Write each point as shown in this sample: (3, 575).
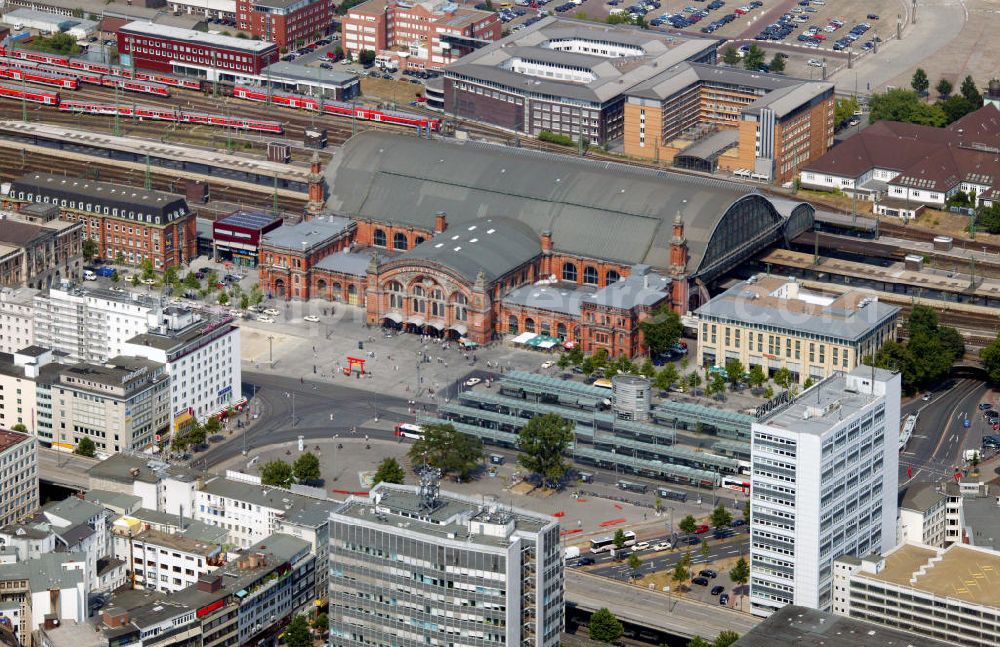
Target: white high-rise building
(91, 325)
(825, 485)
(17, 319)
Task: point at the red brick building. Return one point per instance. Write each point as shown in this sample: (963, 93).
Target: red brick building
(289, 253)
(133, 222)
(289, 23)
(418, 36)
(150, 46)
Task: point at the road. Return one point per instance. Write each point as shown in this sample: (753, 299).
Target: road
(65, 469)
(732, 546)
(935, 450)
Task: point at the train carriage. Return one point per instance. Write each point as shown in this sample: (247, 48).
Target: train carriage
(36, 76)
(44, 97)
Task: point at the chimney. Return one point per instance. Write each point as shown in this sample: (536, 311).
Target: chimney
(546, 242)
(440, 222)
(209, 583)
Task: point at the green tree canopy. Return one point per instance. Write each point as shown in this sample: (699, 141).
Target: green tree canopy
(321, 622)
(90, 249)
(698, 641)
(85, 447)
(919, 82)
(666, 377)
(991, 360)
(661, 330)
(720, 518)
(688, 524)
(61, 43)
(618, 539)
(955, 107)
(604, 627)
(777, 64)
(306, 468)
(681, 573)
(944, 88)
(276, 472)
(734, 371)
(900, 104)
(740, 574)
(725, 638)
(297, 633)
(845, 108)
(389, 471)
(783, 378)
(730, 56)
(448, 450)
(634, 564)
(757, 375)
(971, 92)
(20, 428)
(753, 59)
(542, 442)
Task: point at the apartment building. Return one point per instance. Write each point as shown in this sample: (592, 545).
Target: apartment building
(824, 471)
(412, 565)
(38, 250)
(202, 357)
(122, 405)
(91, 324)
(775, 323)
(417, 35)
(709, 118)
(26, 377)
(18, 476)
(163, 561)
(948, 594)
(45, 591)
(131, 222)
(17, 318)
(79, 527)
(161, 486)
(922, 515)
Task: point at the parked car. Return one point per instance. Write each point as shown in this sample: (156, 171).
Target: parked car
(700, 581)
(663, 545)
(472, 381)
(585, 561)
(265, 319)
(717, 590)
(724, 599)
(983, 406)
(642, 545)
(702, 529)
(271, 311)
(311, 319)
(873, 16)
(707, 572)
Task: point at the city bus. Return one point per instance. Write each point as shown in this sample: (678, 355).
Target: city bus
(608, 543)
(736, 482)
(407, 430)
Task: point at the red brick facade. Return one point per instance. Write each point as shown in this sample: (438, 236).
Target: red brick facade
(289, 24)
(154, 47)
(288, 274)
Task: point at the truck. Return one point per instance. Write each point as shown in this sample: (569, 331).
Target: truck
(104, 271)
(971, 455)
(571, 553)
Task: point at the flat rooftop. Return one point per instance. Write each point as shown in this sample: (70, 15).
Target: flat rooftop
(962, 572)
(120, 372)
(198, 37)
(804, 627)
(827, 402)
(296, 507)
(119, 468)
(177, 542)
(447, 518)
(307, 234)
(641, 287)
(783, 303)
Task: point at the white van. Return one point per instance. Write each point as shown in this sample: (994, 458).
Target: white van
(88, 275)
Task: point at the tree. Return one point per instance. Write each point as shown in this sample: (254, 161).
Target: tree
(661, 330)
(634, 564)
(115, 277)
(256, 295)
(61, 43)
(919, 82)
(705, 550)
(618, 539)
(808, 383)
(944, 88)
(783, 378)
(688, 524)
(725, 638)
(306, 468)
(170, 276)
(276, 472)
(991, 360)
(367, 56)
(681, 572)
(844, 109)
(223, 299)
(322, 622)
(666, 378)
(720, 518)
(734, 371)
(955, 107)
(90, 249)
(389, 471)
(730, 56)
(753, 59)
(898, 104)
(777, 64)
(543, 441)
(971, 92)
(213, 425)
(448, 450)
(768, 393)
(648, 370)
(694, 380)
(717, 386)
(297, 633)
(20, 428)
(120, 258)
(740, 573)
(244, 301)
(191, 281)
(604, 627)
(746, 512)
(757, 376)
(698, 641)
(85, 447)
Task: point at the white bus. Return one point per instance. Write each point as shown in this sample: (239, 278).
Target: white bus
(406, 430)
(607, 543)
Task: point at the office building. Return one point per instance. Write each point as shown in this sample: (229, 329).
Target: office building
(19, 482)
(564, 76)
(202, 357)
(92, 324)
(948, 594)
(415, 566)
(122, 405)
(26, 377)
(17, 319)
(236, 237)
(775, 323)
(287, 23)
(795, 625)
(45, 591)
(825, 470)
(417, 35)
(149, 46)
(161, 486)
(163, 561)
(37, 249)
(126, 222)
(922, 514)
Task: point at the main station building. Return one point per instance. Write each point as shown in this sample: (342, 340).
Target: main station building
(471, 240)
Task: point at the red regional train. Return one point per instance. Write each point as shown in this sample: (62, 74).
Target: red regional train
(167, 114)
(337, 108)
(44, 97)
(30, 72)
